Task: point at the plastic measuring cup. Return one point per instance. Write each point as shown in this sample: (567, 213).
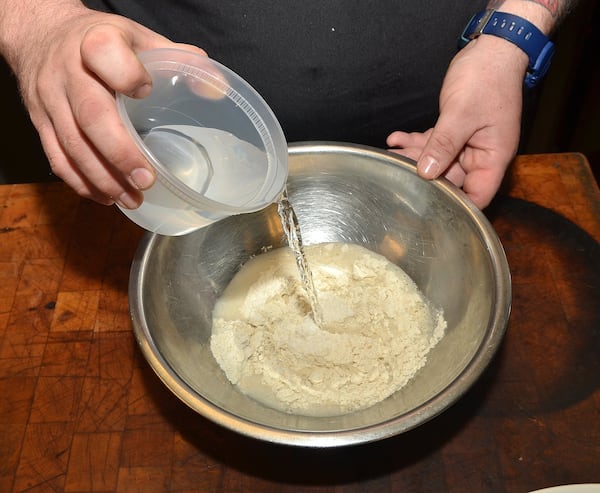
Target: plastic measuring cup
(215, 144)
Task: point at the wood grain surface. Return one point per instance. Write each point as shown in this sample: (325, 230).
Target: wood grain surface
(81, 411)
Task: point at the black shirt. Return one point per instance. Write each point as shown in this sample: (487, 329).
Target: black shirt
(338, 70)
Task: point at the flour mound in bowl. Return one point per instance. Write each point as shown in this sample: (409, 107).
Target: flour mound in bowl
(376, 333)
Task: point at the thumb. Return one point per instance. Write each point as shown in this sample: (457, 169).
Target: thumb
(443, 147)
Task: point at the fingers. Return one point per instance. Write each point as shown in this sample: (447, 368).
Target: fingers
(478, 171)
(204, 77)
(107, 53)
(67, 170)
(412, 146)
(408, 140)
(69, 92)
(481, 186)
(466, 169)
(83, 135)
(117, 167)
(456, 174)
(80, 164)
(408, 144)
(107, 144)
(446, 141)
(111, 54)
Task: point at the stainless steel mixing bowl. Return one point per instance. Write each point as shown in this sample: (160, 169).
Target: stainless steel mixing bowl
(340, 193)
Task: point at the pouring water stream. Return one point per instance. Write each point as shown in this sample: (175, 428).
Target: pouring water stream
(291, 228)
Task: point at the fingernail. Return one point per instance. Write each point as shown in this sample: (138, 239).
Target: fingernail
(141, 178)
(142, 91)
(430, 167)
(128, 201)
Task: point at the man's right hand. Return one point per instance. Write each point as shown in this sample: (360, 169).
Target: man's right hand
(69, 62)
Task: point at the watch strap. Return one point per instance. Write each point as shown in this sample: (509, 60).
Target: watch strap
(519, 31)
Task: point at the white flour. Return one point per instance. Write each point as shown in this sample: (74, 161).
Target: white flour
(377, 330)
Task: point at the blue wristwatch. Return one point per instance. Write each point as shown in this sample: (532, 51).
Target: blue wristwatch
(517, 30)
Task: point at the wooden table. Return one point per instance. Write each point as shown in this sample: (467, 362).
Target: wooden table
(81, 411)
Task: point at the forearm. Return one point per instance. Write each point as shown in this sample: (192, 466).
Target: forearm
(22, 21)
(545, 14)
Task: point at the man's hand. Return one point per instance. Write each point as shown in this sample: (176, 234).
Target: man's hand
(69, 62)
(477, 133)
